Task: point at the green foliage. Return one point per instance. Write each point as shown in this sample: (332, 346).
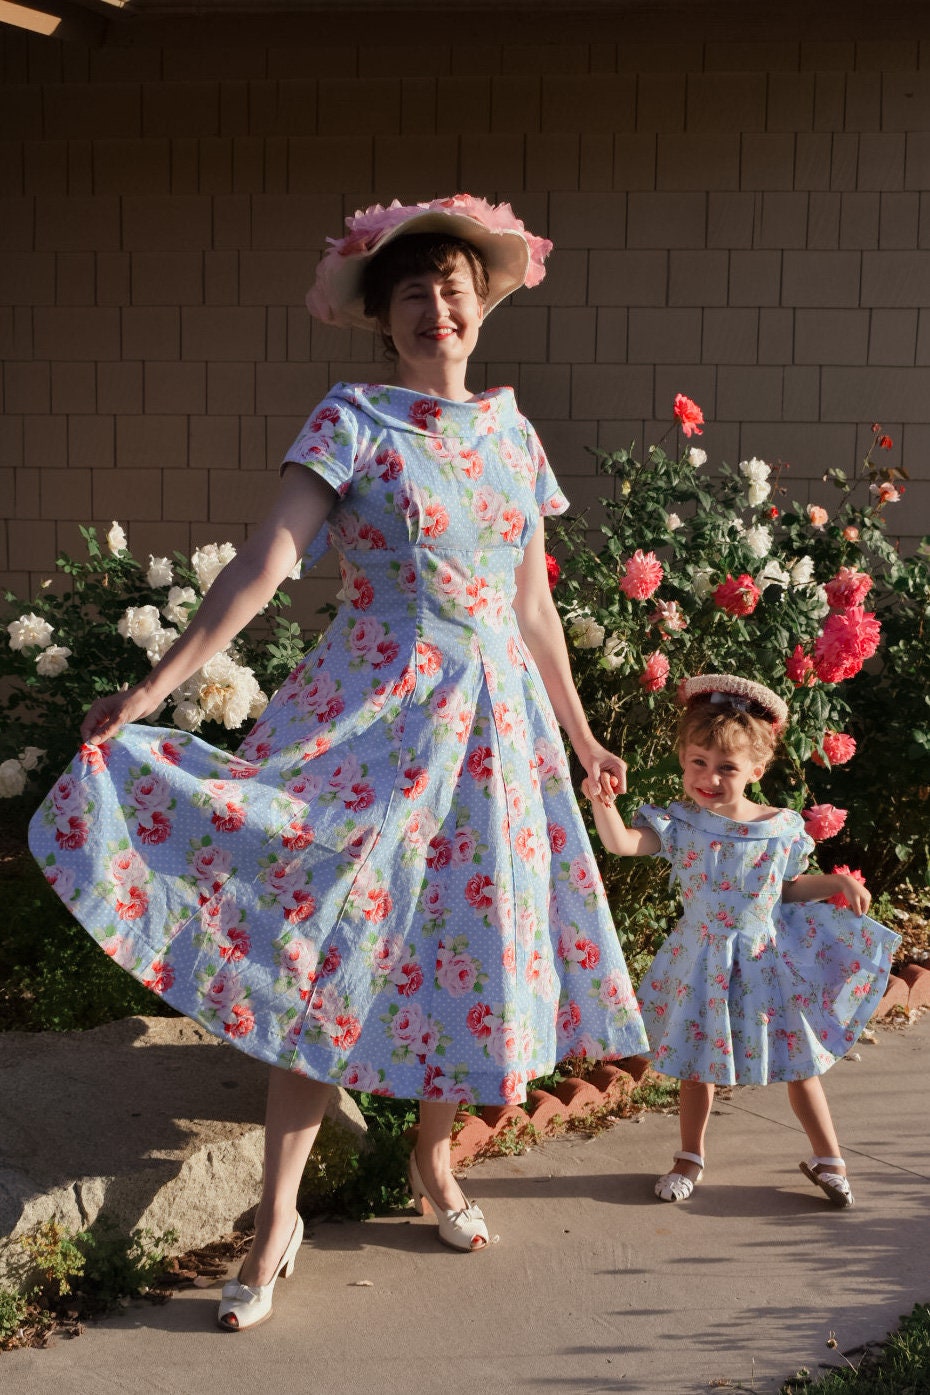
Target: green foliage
(13, 1310)
(901, 1366)
(53, 976)
(83, 1273)
(86, 656)
(360, 1183)
(741, 524)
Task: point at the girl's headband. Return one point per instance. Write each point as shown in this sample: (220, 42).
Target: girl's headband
(742, 694)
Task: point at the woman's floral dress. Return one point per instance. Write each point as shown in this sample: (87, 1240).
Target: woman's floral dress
(390, 886)
(746, 989)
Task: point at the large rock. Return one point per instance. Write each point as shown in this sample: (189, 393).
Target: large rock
(150, 1119)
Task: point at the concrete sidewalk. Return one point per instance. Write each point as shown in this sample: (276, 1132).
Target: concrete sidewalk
(594, 1285)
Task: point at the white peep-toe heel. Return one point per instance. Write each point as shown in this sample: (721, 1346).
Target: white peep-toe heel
(675, 1186)
(246, 1305)
(834, 1184)
(463, 1230)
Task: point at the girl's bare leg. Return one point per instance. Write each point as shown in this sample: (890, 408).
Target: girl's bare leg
(694, 1106)
(293, 1116)
(434, 1154)
(809, 1103)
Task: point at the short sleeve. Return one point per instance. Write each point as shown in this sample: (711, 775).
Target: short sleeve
(328, 444)
(661, 822)
(799, 852)
(549, 496)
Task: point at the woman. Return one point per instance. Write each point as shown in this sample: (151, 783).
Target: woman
(390, 887)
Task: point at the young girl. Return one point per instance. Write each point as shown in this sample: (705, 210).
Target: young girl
(749, 987)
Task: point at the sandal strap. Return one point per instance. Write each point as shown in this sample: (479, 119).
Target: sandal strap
(826, 1162)
(696, 1158)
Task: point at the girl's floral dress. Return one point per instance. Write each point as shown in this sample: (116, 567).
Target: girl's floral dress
(746, 989)
(389, 886)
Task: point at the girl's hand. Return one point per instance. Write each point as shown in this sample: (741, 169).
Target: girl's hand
(858, 896)
(606, 773)
(106, 715)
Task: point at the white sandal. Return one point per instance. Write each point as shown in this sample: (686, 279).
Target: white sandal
(462, 1230)
(675, 1186)
(834, 1184)
(246, 1305)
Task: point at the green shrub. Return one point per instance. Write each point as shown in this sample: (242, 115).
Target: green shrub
(727, 574)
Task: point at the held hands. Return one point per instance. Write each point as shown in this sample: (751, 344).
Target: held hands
(106, 715)
(606, 773)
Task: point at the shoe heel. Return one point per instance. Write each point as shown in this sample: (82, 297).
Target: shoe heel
(289, 1258)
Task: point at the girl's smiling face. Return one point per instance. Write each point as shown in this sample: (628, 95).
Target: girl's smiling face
(716, 780)
(434, 318)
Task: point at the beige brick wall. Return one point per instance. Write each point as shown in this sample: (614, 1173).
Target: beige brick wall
(739, 198)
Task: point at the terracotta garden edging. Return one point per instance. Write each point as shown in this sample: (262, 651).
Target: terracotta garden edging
(547, 1112)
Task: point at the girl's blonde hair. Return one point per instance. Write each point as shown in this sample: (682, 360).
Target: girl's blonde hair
(703, 723)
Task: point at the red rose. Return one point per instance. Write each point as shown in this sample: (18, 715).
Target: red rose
(476, 1021)
(476, 891)
(412, 981)
(157, 831)
(553, 571)
(480, 763)
(556, 836)
(738, 596)
(161, 975)
(689, 415)
(243, 1021)
(350, 1029)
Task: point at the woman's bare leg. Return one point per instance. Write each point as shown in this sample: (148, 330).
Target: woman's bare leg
(434, 1155)
(809, 1103)
(694, 1106)
(293, 1116)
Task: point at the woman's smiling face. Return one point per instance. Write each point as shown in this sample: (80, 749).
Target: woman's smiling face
(716, 780)
(434, 317)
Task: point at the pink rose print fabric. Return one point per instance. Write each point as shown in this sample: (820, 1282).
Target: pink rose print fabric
(746, 989)
(389, 887)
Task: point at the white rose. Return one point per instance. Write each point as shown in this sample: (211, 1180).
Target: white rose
(615, 651)
(140, 624)
(672, 522)
(697, 457)
(159, 645)
(229, 692)
(116, 539)
(178, 609)
(52, 661)
(209, 561)
(187, 715)
(31, 757)
(802, 571)
(30, 632)
(757, 493)
(159, 572)
(702, 581)
(586, 633)
(772, 574)
(12, 779)
(755, 470)
(758, 540)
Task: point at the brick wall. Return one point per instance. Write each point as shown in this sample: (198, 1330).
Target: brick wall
(738, 196)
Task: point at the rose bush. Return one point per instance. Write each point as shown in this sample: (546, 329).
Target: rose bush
(103, 623)
(691, 573)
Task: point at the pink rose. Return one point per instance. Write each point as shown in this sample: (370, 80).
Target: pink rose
(456, 973)
(360, 1077)
(642, 575)
(823, 821)
(689, 415)
(818, 516)
(839, 900)
(655, 673)
(848, 588)
(837, 747)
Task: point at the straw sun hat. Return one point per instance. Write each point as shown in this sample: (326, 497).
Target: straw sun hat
(514, 257)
